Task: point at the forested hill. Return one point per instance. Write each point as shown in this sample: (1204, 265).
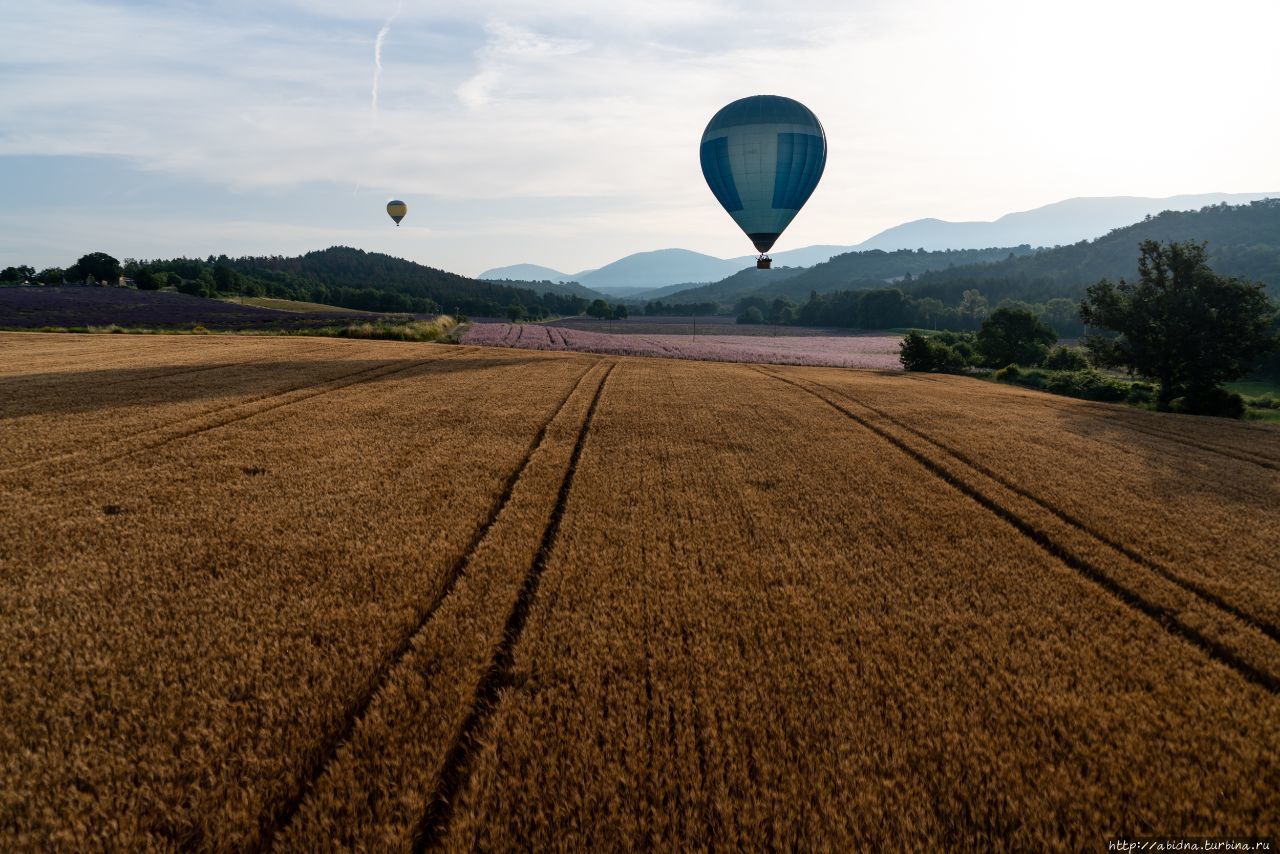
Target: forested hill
(726, 291)
(871, 268)
(544, 285)
(370, 280)
(875, 266)
(1243, 241)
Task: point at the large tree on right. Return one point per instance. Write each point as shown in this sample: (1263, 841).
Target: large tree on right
(1181, 325)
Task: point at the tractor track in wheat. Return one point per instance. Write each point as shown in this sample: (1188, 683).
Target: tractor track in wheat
(273, 826)
(300, 394)
(183, 370)
(433, 826)
(1119, 415)
(1167, 617)
(1269, 629)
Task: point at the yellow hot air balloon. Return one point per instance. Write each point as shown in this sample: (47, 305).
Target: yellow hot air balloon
(397, 209)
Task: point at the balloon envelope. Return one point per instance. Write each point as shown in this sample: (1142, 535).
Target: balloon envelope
(397, 209)
(762, 157)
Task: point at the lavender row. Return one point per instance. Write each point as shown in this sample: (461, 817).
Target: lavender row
(73, 307)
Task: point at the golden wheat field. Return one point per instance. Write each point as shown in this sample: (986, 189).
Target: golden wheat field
(304, 594)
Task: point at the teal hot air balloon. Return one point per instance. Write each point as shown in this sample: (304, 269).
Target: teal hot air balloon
(762, 157)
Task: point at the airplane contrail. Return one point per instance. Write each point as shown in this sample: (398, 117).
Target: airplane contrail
(377, 51)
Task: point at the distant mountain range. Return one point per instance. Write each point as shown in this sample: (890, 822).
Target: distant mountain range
(1243, 240)
(643, 271)
(527, 273)
(1060, 223)
(866, 268)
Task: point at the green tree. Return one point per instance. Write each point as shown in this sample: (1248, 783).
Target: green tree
(1063, 315)
(620, 311)
(224, 279)
(744, 306)
(752, 314)
(1182, 325)
(17, 274)
(883, 308)
(516, 312)
(782, 310)
(599, 308)
(929, 310)
(207, 283)
(973, 306)
(51, 276)
(1020, 305)
(147, 280)
(99, 265)
(1066, 359)
(1014, 336)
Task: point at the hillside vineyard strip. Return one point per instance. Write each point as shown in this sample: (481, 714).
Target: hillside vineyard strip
(293, 593)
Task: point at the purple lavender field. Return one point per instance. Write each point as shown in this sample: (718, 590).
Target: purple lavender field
(80, 307)
(671, 325)
(875, 351)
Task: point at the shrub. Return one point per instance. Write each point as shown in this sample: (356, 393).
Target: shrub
(965, 350)
(410, 330)
(1020, 376)
(191, 287)
(1008, 373)
(1141, 393)
(927, 353)
(954, 360)
(1066, 359)
(1086, 384)
(953, 338)
(1210, 401)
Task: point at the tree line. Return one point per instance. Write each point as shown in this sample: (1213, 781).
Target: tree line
(340, 276)
(658, 308)
(893, 308)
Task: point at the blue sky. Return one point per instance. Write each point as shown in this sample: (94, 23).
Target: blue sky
(565, 133)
